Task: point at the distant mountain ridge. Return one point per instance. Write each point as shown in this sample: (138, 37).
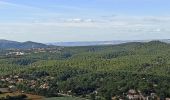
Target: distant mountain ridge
(93, 43)
(7, 44)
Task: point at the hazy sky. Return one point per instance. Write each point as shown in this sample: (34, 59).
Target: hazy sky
(84, 20)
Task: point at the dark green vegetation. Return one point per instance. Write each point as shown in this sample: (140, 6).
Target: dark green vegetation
(95, 72)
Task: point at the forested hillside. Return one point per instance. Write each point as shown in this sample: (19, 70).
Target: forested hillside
(93, 72)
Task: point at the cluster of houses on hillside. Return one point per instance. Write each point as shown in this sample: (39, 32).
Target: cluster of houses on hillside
(18, 52)
(11, 82)
(15, 53)
(42, 50)
(137, 95)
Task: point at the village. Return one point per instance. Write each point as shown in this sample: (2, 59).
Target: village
(22, 52)
(14, 84)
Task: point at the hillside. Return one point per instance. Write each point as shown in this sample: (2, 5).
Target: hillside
(6, 44)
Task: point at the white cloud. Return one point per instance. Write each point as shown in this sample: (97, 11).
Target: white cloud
(71, 29)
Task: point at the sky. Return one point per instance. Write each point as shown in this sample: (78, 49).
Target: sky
(84, 20)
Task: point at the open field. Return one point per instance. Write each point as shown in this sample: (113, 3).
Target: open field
(30, 96)
(37, 97)
(64, 98)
